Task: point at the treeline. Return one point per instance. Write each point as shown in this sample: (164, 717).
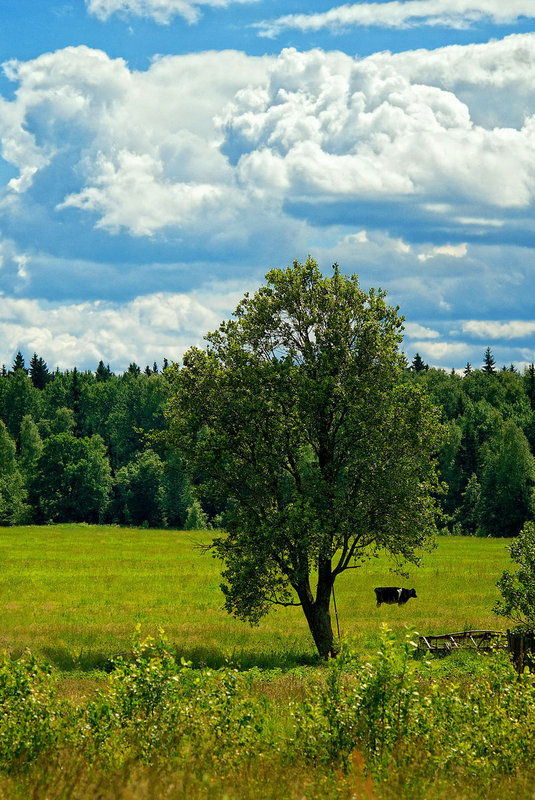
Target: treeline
(73, 448)
(487, 462)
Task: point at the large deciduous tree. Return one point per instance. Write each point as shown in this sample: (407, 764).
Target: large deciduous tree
(297, 418)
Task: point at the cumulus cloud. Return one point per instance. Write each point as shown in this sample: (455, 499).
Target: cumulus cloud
(147, 328)
(493, 330)
(161, 11)
(213, 143)
(143, 147)
(413, 330)
(324, 126)
(406, 168)
(404, 14)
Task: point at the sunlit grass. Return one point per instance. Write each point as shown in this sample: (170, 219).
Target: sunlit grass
(74, 594)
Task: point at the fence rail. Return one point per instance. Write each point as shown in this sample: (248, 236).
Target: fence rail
(474, 640)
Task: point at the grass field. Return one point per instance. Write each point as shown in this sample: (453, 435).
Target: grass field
(75, 593)
(374, 723)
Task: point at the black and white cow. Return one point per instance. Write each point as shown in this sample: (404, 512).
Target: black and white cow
(393, 594)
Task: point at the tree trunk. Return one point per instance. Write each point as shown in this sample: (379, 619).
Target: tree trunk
(318, 616)
(319, 622)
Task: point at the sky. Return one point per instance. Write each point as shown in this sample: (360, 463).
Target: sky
(158, 157)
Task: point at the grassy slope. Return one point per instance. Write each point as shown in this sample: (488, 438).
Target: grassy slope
(74, 594)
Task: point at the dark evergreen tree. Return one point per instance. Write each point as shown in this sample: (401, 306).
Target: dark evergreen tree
(418, 364)
(102, 373)
(488, 362)
(18, 363)
(74, 395)
(468, 369)
(39, 372)
(133, 369)
(530, 381)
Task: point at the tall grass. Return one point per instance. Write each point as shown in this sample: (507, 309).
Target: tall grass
(74, 594)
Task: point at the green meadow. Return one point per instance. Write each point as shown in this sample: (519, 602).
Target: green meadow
(217, 710)
(74, 594)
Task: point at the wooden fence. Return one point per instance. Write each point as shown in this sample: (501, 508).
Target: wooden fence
(521, 646)
(475, 640)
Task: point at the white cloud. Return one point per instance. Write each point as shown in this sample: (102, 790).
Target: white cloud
(161, 11)
(450, 250)
(413, 330)
(493, 330)
(145, 142)
(147, 328)
(325, 126)
(221, 147)
(407, 14)
(439, 353)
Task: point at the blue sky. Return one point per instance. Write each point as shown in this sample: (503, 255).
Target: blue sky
(159, 156)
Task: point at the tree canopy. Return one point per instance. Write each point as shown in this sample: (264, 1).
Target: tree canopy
(296, 421)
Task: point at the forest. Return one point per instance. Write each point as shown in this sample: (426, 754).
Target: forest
(84, 446)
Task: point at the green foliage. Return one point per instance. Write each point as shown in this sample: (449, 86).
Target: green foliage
(13, 509)
(507, 483)
(384, 726)
(196, 519)
(393, 711)
(518, 588)
(140, 494)
(29, 712)
(72, 479)
(297, 418)
(367, 705)
(467, 514)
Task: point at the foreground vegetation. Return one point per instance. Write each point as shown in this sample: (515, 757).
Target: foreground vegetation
(378, 728)
(171, 718)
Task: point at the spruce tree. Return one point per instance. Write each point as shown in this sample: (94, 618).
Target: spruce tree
(39, 372)
(488, 363)
(418, 364)
(18, 363)
(102, 373)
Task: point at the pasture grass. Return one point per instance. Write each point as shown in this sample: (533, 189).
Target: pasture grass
(74, 594)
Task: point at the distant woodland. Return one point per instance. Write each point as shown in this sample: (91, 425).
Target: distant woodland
(84, 447)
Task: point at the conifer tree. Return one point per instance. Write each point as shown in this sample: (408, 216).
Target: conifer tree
(39, 372)
(18, 363)
(488, 363)
(418, 364)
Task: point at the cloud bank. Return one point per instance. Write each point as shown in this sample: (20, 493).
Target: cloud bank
(415, 170)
